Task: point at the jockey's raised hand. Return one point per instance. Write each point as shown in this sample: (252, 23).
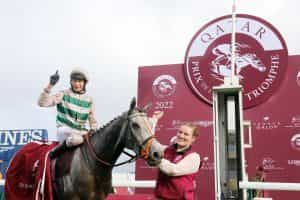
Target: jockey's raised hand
(54, 78)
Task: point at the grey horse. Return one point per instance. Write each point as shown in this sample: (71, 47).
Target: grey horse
(86, 172)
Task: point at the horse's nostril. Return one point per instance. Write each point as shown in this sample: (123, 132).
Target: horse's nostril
(156, 155)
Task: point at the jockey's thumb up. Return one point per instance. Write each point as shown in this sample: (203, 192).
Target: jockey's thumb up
(54, 78)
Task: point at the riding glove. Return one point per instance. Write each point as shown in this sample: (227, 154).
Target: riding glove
(54, 78)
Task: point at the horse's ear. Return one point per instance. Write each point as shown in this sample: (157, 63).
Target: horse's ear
(132, 104)
(146, 107)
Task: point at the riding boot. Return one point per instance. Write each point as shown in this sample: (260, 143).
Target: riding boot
(58, 150)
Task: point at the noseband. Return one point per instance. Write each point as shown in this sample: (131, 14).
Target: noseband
(145, 146)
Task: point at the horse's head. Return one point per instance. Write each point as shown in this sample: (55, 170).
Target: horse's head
(140, 137)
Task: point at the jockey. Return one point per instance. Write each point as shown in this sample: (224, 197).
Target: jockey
(74, 109)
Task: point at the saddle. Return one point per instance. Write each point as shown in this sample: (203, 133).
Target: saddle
(60, 167)
(63, 163)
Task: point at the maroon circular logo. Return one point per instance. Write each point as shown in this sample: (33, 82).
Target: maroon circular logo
(260, 63)
(295, 142)
(164, 86)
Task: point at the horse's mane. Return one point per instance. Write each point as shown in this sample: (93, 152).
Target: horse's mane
(99, 130)
(103, 127)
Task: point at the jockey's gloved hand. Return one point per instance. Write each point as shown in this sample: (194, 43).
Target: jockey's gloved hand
(54, 78)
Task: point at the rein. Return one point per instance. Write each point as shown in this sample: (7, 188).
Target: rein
(98, 159)
(144, 152)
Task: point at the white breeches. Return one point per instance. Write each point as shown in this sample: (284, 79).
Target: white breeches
(73, 137)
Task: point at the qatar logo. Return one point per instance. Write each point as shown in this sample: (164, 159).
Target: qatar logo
(164, 86)
(295, 142)
(261, 58)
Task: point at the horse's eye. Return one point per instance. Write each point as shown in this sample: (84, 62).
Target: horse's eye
(135, 125)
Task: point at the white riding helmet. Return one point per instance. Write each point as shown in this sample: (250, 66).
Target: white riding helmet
(79, 74)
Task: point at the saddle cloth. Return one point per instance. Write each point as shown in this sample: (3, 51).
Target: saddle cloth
(28, 175)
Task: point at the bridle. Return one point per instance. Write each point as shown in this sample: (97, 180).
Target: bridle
(144, 147)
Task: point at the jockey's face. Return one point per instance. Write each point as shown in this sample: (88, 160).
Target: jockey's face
(77, 85)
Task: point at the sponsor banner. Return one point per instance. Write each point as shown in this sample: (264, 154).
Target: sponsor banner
(274, 123)
(12, 140)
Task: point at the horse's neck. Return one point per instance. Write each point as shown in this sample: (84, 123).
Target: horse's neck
(104, 142)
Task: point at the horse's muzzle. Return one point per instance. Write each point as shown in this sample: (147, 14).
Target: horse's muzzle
(156, 153)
